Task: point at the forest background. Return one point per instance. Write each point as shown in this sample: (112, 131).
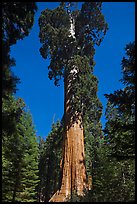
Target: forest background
(30, 170)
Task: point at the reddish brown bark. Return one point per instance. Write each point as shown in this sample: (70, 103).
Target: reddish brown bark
(73, 164)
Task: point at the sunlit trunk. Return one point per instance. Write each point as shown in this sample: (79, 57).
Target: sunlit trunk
(73, 163)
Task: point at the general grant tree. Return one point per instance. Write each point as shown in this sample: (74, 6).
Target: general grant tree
(68, 37)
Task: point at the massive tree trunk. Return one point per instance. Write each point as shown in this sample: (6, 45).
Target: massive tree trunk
(73, 163)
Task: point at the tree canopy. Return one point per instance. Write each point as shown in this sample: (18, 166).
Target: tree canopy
(60, 45)
(18, 19)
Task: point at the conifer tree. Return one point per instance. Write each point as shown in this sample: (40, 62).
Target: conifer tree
(29, 169)
(49, 162)
(20, 158)
(120, 128)
(113, 165)
(11, 147)
(17, 20)
(69, 39)
(120, 111)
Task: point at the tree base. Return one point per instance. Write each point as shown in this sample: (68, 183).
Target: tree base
(58, 197)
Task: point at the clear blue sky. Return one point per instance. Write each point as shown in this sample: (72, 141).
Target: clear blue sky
(45, 101)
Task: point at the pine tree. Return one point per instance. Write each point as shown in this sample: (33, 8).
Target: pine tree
(69, 39)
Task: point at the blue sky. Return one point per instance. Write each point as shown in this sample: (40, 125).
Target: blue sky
(45, 101)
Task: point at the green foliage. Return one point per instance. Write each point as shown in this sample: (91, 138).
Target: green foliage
(90, 27)
(120, 113)
(54, 31)
(17, 20)
(49, 162)
(128, 66)
(120, 131)
(29, 169)
(83, 90)
(60, 46)
(9, 80)
(19, 145)
(19, 156)
(113, 181)
(11, 112)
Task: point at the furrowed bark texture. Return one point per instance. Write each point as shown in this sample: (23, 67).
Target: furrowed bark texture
(73, 163)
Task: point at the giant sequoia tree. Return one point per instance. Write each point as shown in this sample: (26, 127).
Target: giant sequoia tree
(69, 39)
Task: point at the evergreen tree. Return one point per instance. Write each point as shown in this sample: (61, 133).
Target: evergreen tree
(49, 162)
(11, 147)
(30, 167)
(17, 20)
(20, 159)
(17, 137)
(15, 17)
(113, 165)
(120, 129)
(69, 39)
(120, 113)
